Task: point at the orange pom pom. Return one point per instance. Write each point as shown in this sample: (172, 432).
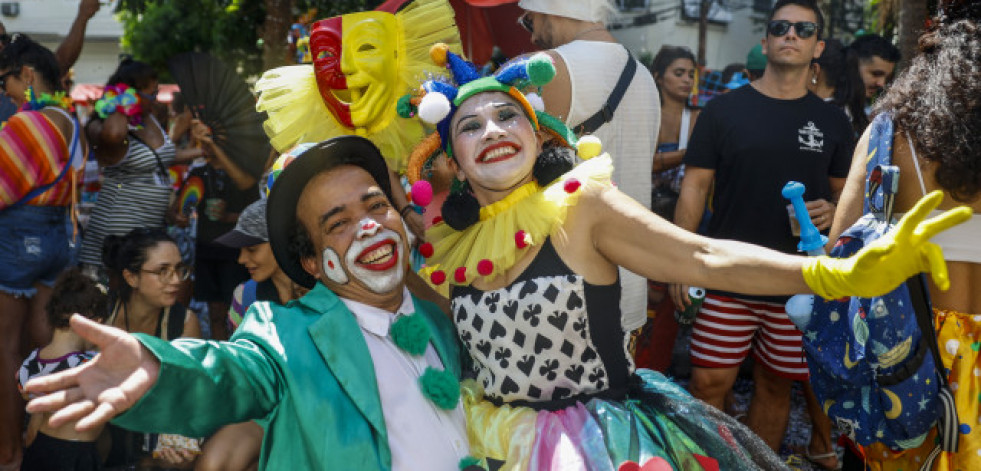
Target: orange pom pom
(438, 53)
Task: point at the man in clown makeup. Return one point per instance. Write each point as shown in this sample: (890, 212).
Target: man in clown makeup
(357, 374)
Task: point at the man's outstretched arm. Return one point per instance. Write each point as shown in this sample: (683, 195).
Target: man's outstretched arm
(147, 384)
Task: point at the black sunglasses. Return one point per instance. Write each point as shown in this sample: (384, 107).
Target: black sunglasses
(805, 29)
(525, 22)
(4, 77)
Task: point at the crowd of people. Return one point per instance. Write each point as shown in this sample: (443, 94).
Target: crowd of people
(488, 272)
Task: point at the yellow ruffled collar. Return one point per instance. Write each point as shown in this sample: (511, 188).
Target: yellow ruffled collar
(507, 228)
(509, 201)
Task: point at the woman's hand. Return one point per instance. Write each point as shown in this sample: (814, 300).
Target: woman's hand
(201, 133)
(888, 261)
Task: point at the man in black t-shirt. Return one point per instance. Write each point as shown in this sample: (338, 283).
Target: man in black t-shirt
(749, 143)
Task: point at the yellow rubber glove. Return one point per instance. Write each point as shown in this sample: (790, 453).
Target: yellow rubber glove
(890, 260)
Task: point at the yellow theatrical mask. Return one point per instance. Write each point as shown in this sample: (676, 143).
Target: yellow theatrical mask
(362, 63)
(370, 64)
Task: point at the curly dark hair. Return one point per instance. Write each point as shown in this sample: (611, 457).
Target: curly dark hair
(937, 100)
(74, 293)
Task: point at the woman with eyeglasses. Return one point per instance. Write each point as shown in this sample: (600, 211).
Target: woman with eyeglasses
(40, 151)
(145, 273)
(134, 152)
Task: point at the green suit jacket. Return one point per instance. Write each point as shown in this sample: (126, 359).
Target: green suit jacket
(303, 371)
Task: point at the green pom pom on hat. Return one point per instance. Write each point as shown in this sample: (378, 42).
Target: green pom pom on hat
(540, 69)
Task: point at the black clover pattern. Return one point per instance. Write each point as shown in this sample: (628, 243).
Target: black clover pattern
(536, 344)
(597, 376)
(491, 300)
(502, 355)
(549, 369)
(531, 314)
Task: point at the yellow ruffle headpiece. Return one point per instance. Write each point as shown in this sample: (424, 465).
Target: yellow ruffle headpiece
(507, 228)
(297, 112)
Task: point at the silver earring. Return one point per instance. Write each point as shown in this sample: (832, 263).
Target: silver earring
(814, 80)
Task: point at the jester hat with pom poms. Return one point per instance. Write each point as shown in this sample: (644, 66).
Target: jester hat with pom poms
(437, 100)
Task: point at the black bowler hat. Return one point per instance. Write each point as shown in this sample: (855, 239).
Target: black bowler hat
(289, 185)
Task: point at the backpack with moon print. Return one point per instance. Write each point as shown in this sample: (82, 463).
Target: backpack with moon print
(873, 365)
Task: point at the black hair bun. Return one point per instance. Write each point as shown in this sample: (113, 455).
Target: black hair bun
(111, 246)
(552, 163)
(461, 210)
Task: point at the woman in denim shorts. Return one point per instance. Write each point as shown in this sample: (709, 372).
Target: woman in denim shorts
(41, 149)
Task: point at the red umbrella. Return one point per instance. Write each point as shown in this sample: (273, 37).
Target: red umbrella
(484, 24)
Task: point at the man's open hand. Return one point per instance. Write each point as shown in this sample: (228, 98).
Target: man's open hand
(93, 393)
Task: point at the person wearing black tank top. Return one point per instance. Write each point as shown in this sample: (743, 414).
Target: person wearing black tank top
(531, 255)
(145, 274)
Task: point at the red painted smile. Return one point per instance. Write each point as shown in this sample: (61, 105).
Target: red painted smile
(498, 153)
(379, 257)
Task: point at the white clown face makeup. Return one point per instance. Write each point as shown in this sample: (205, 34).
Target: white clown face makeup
(357, 235)
(376, 258)
(495, 144)
(333, 267)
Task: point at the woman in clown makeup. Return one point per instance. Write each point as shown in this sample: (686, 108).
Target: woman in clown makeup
(530, 247)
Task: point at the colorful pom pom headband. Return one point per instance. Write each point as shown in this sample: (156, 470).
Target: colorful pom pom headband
(436, 100)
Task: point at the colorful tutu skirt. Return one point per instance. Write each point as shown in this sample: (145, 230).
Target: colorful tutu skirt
(657, 419)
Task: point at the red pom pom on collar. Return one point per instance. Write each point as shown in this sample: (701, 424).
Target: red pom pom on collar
(571, 185)
(485, 267)
(521, 239)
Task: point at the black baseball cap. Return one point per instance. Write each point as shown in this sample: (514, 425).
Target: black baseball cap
(289, 185)
(250, 229)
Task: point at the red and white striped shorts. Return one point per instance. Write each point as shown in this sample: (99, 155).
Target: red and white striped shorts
(726, 328)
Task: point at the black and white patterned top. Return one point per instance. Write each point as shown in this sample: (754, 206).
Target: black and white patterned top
(35, 366)
(546, 340)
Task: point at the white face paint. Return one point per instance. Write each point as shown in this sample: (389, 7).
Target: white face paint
(376, 257)
(333, 268)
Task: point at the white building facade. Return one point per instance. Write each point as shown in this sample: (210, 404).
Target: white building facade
(48, 22)
(643, 26)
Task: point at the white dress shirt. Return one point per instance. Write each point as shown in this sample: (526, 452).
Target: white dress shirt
(420, 434)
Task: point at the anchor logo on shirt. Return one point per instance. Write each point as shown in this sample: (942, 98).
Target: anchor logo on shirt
(811, 138)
